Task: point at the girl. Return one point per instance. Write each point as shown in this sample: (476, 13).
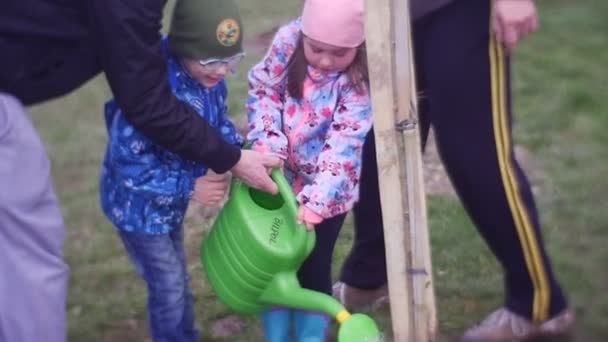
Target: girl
(309, 104)
(145, 189)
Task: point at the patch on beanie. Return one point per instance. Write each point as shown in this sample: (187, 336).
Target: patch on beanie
(228, 32)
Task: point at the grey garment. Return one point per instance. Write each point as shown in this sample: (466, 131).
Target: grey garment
(33, 275)
(421, 8)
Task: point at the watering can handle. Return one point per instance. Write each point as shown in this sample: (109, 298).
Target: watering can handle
(286, 192)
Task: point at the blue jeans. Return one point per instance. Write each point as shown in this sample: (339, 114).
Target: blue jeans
(160, 260)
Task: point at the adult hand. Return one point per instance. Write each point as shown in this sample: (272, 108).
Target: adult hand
(513, 20)
(210, 189)
(253, 169)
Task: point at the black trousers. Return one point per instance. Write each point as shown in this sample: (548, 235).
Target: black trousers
(315, 272)
(463, 79)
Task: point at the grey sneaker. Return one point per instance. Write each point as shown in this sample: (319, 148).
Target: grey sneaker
(354, 298)
(504, 325)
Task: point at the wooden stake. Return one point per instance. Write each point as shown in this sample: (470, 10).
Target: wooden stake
(393, 93)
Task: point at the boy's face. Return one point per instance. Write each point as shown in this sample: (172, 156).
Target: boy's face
(206, 75)
(328, 57)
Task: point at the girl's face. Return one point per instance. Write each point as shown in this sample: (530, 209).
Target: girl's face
(327, 57)
(205, 75)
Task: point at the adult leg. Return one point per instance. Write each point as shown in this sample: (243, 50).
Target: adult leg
(468, 88)
(33, 275)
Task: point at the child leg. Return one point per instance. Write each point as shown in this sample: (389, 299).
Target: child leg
(315, 274)
(311, 326)
(157, 261)
(188, 327)
(276, 323)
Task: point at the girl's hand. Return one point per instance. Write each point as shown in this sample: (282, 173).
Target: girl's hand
(308, 217)
(210, 189)
(513, 20)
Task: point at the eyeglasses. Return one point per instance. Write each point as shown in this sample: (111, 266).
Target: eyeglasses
(213, 64)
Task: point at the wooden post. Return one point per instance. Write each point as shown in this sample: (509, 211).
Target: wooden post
(393, 93)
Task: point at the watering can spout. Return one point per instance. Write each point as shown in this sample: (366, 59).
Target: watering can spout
(285, 290)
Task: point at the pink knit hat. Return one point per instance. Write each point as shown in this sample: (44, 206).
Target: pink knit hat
(335, 22)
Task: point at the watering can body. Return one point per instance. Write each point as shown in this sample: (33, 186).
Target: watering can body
(252, 240)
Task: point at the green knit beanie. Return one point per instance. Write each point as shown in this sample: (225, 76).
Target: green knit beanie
(205, 29)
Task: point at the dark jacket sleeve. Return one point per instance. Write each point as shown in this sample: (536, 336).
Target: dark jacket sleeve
(128, 36)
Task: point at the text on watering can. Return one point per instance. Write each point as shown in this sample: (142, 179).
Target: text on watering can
(275, 229)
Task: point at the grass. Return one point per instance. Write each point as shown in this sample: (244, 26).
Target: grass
(560, 90)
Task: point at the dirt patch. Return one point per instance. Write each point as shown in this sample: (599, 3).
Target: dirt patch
(436, 180)
(126, 330)
(228, 326)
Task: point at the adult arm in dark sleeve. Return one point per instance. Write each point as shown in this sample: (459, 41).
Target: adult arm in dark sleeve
(128, 35)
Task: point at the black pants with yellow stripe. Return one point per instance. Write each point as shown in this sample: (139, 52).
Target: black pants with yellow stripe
(463, 79)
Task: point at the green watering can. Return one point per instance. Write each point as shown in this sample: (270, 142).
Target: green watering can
(254, 250)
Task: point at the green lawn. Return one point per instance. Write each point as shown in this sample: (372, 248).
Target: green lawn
(561, 99)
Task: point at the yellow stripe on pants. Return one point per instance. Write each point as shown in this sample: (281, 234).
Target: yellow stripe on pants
(525, 230)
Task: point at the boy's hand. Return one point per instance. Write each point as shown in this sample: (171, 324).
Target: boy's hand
(210, 189)
(513, 20)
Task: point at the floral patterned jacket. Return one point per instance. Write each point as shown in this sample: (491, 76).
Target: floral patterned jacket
(144, 187)
(320, 137)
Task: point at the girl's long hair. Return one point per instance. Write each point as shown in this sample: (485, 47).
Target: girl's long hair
(297, 69)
